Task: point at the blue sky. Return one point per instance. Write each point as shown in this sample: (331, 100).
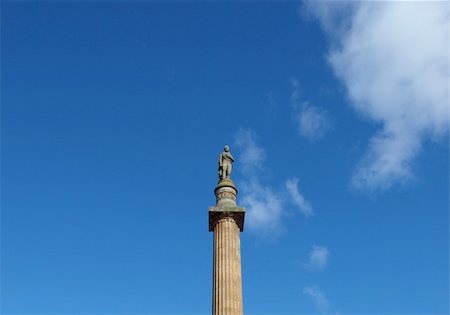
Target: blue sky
(113, 116)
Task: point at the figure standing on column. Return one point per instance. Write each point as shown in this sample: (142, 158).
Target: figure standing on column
(225, 163)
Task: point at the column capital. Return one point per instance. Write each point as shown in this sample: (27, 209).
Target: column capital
(217, 213)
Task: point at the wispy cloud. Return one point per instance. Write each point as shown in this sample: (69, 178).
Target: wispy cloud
(393, 60)
(264, 208)
(318, 258)
(297, 198)
(295, 95)
(252, 156)
(313, 122)
(265, 205)
(318, 298)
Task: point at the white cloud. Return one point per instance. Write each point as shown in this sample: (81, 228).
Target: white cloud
(265, 206)
(318, 298)
(297, 198)
(393, 60)
(318, 257)
(312, 121)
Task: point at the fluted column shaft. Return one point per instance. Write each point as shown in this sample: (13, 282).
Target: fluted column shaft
(227, 282)
(226, 220)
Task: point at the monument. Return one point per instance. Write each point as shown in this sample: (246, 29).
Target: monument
(226, 220)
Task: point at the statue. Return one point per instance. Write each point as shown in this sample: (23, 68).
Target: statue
(225, 163)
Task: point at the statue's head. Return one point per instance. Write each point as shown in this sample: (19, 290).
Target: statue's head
(226, 148)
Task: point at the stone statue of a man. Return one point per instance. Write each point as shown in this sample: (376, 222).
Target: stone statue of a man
(225, 163)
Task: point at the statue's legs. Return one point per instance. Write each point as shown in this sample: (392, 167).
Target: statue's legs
(229, 170)
(225, 173)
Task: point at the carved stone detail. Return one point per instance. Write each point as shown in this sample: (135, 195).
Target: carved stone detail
(225, 194)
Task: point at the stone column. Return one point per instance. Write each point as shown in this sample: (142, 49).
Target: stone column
(226, 220)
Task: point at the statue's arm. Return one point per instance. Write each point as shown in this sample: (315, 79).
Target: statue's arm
(231, 157)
